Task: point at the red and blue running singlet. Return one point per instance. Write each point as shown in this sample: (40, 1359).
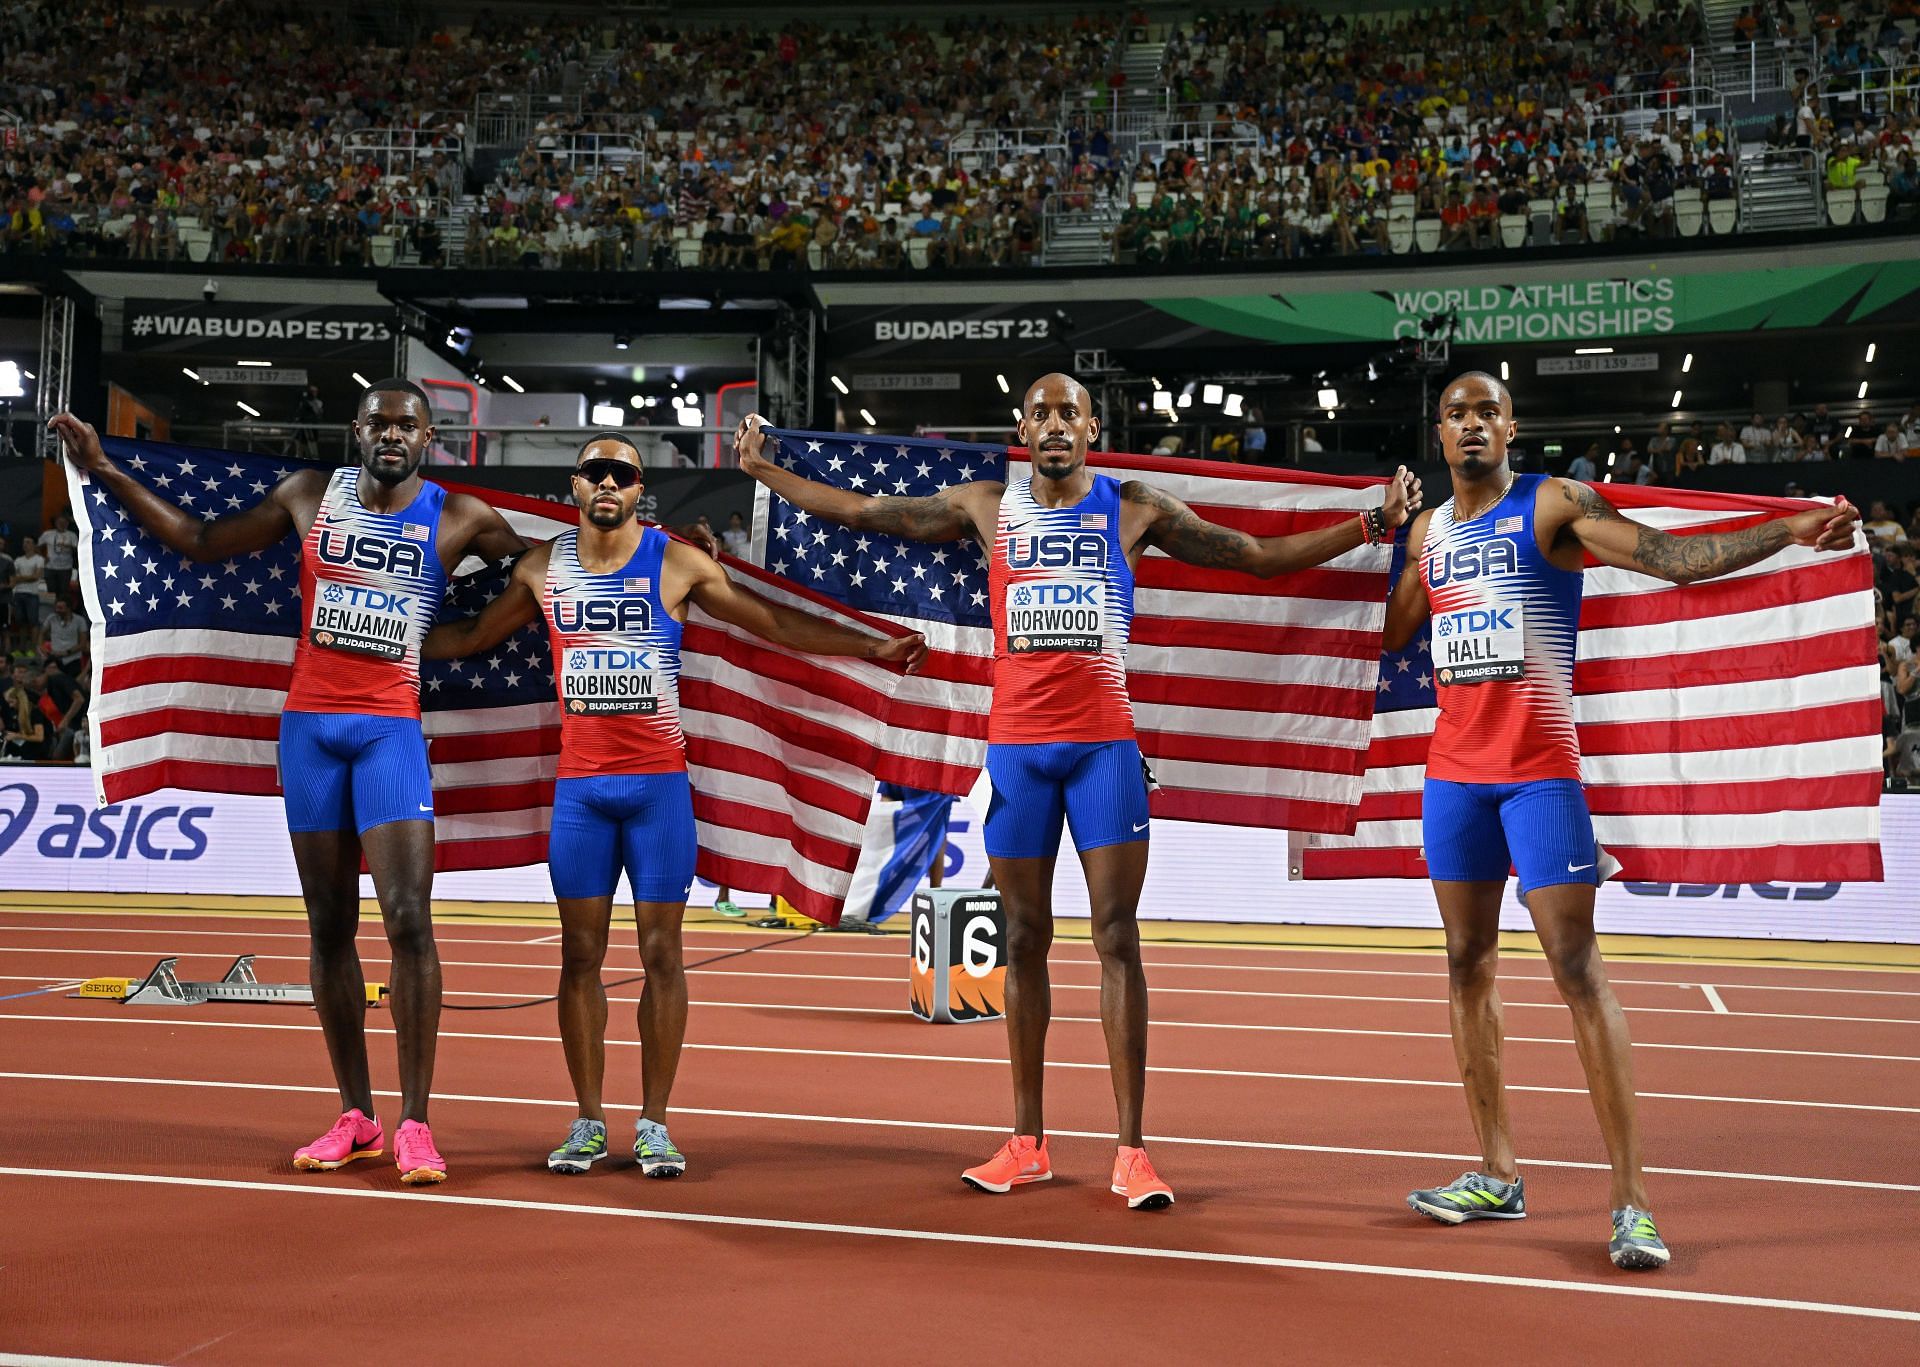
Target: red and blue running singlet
(1062, 601)
(1505, 623)
(616, 662)
(370, 587)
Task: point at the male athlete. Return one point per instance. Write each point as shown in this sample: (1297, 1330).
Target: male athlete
(376, 545)
(614, 594)
(1060, 734)
(1498, 570)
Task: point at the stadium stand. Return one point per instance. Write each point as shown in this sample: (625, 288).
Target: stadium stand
(231, 132)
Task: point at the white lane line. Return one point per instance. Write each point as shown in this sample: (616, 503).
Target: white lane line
(1188, 1255)
(899, 1012)
(37, 1360)
(1256, 1145)
(1713, 999)
(900, 979)
(898, 949)
(170, 1022)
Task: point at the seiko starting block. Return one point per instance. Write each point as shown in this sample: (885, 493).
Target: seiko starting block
(959, 968)
(165, 987)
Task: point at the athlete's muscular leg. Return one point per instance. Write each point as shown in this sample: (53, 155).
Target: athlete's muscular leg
(1115, 875)
(1026, 896)
(1563, 918)
(1471, 914)
(663, 1003)
(400, 859)
(329, 866)
(583, 997)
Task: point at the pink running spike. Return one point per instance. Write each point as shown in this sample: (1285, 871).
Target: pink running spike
(354, 1135)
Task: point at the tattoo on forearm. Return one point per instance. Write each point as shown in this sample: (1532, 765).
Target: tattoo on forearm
(1184, 536)
(918, 519)
(1685, 559)
(1593, 508)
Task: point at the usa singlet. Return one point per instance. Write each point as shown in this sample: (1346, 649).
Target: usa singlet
(1061, 595)
(1505, 621)
(616, 662)
(370, 586)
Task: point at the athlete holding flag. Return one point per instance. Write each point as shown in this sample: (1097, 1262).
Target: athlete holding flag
(1497, 567)
(1063, 544)
(377, 543)
(614, 594)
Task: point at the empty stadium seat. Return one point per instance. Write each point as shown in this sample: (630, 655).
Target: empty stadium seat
(686, 251)
(381, 248)
(1723, 215)
(1873, 203)
(1400, 234)
(917, 249)
(1841, 206)
(198, 243)
(816, 256)
(1426, 234)
(1600, 214)
(1513, 230)
(1689, 211)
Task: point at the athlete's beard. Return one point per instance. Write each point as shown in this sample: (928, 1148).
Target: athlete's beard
(1058, 464)
(604, 516)
(410, 463)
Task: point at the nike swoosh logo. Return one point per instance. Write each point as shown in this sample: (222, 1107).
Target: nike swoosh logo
(1578, 868)
(424, 807)
(1142, 826)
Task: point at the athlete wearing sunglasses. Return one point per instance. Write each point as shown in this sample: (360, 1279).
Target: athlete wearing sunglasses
(614, 594)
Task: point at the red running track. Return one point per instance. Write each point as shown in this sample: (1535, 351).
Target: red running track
(152, 1213)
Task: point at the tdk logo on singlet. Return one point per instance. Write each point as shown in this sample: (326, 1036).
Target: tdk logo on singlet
(362, 552)
(602, 614)
(606, 660)
(1472, 621)
(1456, 564)
(370, 600)
(1057, 551)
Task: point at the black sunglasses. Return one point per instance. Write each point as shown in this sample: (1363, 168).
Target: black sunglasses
(595, 472)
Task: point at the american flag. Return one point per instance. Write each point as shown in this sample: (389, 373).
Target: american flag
(1251, 697)
(1729, 730)
(192, 662)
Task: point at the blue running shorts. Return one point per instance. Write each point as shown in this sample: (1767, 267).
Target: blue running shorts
(1542, 830)
(1097, 787)
(348, 771)
(642, 822)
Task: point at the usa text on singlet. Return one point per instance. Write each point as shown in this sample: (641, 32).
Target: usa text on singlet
(1505, 624)
(370, 587)
(1062, 600)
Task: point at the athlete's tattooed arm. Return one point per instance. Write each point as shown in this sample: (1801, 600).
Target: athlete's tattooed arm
(1614, 540)
(955, 514)
(1407, 605)
(517, 605)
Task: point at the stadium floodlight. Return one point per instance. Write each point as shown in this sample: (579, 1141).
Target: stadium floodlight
(866, 416)
(1232, 406)
(1593, 351)
(1184, 401)
(186, 370)
(1162, 401)
(1329, 415)
(1329, 398)
(246, 408)
(1505, 374)
(621, 341)
(1017, 415)
(637, 401)
(839, 384)
(1863, 389)
(1006, 388)
(1871, 348)
(1676, 398)
(690, 416)
(607, 415)
(364, 382)
(512, 384)
(1686, 366)
(10, 385)
(1213, 393)
(257, 365)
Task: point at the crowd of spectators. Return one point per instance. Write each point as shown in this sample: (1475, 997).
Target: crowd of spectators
(45, 641)
(1677, 450)
(287, 137)
(1897, 618)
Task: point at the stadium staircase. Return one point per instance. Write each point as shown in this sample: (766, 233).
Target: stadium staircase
(1081, 237)
(1778, 192)
(1720, 16)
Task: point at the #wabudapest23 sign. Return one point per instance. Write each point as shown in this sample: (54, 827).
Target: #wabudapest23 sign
(214, 327)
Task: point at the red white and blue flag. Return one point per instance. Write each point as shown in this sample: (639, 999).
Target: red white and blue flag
(191, 664)
(1729, 730)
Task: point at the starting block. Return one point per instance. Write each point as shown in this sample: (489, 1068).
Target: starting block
(959, 968)
(163, 986)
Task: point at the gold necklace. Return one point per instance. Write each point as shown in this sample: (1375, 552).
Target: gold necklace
(1483, 507)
